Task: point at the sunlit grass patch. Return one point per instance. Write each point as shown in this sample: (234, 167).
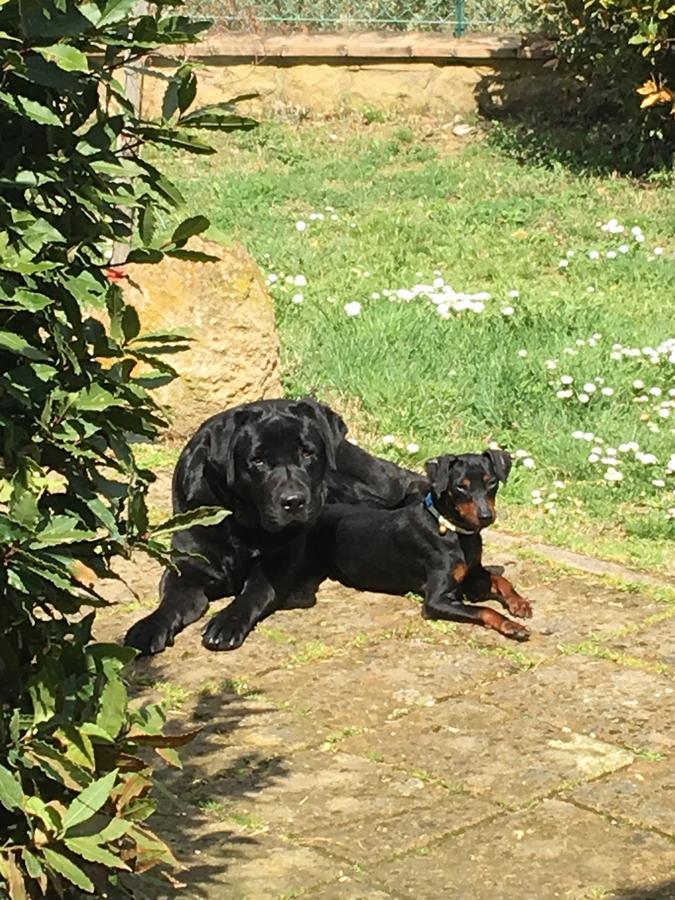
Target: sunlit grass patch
(448, 301)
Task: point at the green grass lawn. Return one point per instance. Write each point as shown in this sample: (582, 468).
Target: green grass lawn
(386, 210)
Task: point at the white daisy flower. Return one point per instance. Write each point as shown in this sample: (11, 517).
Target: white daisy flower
(353, 308)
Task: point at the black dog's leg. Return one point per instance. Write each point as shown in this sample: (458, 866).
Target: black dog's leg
(183, 601)
(266, 589)
(444, 602)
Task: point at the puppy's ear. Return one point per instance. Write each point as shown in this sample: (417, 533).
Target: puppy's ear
(501, 463)
(331, 427)
(438, 472)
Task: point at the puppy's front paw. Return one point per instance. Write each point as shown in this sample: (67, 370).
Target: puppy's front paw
(150, 635)
(225, 632)
(519, 606)
(514, 631)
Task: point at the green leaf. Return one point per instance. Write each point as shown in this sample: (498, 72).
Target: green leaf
(93, 730)
(170, 756)
(191, 255)
(96, 398)
(43, 691)
(112, 707)
(89, 849)
(49, 817)
(218, 117)
(66, 867)
(66, 57)
(31, 108)
(17, 344)
(77, 746)
(130, 323)
(145, 255)
(114, 830)
(32, 864)
(205, 515)
(30, 300)
(61, 530)
(146, 223)
(89, 801)
(187, 88)
(188, 228)
(11, 792)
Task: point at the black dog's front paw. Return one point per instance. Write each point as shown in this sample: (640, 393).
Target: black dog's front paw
(225, 632)
(151, 635)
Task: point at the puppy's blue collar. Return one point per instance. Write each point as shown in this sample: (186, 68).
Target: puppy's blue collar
(444, 525)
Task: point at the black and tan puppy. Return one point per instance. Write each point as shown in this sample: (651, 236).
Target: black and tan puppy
(274, 464)
(431, 547)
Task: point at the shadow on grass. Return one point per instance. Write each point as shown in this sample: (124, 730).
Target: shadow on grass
(548, 118)
(197, 813)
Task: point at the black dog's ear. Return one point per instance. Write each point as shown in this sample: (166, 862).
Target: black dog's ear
(221, 448)
(331, 427)
(438, 472)
(501, 463)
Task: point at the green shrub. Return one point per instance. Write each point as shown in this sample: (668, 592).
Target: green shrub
(74, 778)
(621, 56)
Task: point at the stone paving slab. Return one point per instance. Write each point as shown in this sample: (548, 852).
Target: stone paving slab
(384, 681)
(320, 790)
(554, 850)
(569, 611)
(348, 888)
(509, 759)
(368, 841)
(597, 697)
(260, 867)
(643, 795)
(655, 645)
(354, 750)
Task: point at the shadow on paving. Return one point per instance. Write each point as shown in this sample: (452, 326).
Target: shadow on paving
(193, 801)
(665, 891)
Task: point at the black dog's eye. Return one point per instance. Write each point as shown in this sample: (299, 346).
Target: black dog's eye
(257, 462)
(308, 454)
(458, 489)
(491, 485)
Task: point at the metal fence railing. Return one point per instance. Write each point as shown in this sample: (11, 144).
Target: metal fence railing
(450, 16)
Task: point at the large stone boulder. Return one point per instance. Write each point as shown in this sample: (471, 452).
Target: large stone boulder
(224, 307)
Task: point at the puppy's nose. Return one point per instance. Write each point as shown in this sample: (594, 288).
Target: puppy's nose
(485, 518)
(293, 502)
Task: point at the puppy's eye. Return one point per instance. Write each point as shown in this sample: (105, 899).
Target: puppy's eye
(462, 491)
(491, 485)
(308, 454)
(257, 462)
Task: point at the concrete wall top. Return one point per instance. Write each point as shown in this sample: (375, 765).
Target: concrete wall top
(226, 49)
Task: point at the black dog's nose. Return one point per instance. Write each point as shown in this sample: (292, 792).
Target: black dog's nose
(485, 518)
(293, 502)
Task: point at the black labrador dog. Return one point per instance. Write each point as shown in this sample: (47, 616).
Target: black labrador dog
(274, 464)
(431, 547)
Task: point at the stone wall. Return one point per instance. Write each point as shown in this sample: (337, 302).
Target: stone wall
(333, 74)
